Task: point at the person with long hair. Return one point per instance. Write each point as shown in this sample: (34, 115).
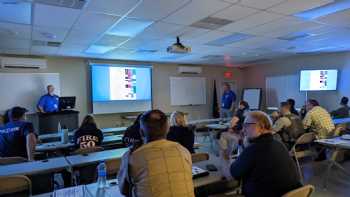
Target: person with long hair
(132, 137)
(180, 132)
(88, 135)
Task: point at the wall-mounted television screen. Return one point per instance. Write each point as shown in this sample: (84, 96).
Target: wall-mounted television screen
(316, 80)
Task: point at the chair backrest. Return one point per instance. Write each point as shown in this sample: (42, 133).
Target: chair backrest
(113, 167)
(12, 160)
(306, 138)
(304, 191)
(15, 184)
(198, 157)
(87, 150)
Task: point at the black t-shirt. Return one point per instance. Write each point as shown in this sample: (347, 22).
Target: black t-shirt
(266, 168)
(132, 136)
(13, 138)
(183, 136)
(88, 136)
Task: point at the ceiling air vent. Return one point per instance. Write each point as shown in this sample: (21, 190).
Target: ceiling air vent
(211, 23)
(45, 43)
(74, 4)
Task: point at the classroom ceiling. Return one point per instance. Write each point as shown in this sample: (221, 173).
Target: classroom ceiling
(220, 32)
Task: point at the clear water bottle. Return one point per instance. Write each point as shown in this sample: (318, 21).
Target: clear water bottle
(102, 175)
(59, 127)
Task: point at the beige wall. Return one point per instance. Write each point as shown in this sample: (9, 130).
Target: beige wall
(75, 80)
(254, 77)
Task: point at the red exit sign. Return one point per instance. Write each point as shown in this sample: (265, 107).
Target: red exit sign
(228, 74)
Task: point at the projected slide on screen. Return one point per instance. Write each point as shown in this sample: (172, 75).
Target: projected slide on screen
(312, 80)
(113, 83)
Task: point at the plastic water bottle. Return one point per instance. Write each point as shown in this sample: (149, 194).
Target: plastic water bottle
(59, 128)
(102, 175)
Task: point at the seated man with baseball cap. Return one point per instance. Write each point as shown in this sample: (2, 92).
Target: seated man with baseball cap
(17, 137)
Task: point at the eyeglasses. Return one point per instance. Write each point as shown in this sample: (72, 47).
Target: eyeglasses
(246, 124)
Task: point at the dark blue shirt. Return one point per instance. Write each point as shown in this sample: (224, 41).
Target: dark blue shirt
(49, 103)
(227, 98)
(13, 138)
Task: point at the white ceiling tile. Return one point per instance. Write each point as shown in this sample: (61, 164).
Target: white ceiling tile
(43, 50)
(251, 21)
(157, 9)
(294, 6)
(281, 27)
(196, 10)
(12, 30)
(188, 32)
(235, 12)
(160, 30)
(71, 49)
(10, 43)
(115, 7)
(260, 4)
(95, 22)
(49, 34)
(81, 37)
(210, 36)
(53, 16)
(111, 40)
(19, 12)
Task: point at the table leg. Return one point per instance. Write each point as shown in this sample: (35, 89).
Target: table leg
(333, 162)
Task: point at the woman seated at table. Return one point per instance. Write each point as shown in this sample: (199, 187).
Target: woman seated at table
(132, 137)
(180, 132)
(88, 135)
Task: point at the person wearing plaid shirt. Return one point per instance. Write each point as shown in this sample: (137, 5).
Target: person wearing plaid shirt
(318, 120)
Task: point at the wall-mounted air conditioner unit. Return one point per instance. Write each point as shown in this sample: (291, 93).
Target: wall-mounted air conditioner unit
(189, 70)
(23, 63)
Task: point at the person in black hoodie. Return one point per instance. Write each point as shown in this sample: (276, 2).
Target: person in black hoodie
(132, 137)
(292, 109)
(88, 135)
(180, 132)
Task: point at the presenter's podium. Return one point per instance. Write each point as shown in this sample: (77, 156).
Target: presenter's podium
(48, 122)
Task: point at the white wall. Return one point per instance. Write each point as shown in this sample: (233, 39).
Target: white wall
(254, 76)
(75, 81)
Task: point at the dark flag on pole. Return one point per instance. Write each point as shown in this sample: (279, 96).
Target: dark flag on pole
(216, 113)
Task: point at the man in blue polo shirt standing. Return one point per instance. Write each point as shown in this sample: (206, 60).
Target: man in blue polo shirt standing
(49, 102)
(227, 100)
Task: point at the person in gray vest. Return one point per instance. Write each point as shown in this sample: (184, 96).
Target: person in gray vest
(288, 126)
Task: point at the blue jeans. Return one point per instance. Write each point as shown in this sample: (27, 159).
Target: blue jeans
(225, 113)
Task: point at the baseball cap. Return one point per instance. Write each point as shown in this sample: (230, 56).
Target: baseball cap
(17, 112)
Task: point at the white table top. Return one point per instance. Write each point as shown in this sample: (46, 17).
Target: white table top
(341, 120)
(71, 133)
(92, 189)
(213, 177)
(35, 167)
(208, 120)
(218, 126)
(75, 160)
(51, 146)
(335, 142)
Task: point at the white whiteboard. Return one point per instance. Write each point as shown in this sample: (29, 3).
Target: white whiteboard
(281, 88)
(253, 97)
(188, 91)
(25, 89)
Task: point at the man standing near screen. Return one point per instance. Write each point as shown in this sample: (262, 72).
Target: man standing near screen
(227, 100)
(49, 102)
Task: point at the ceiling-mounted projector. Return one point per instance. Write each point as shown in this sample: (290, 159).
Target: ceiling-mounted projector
(178, 47)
